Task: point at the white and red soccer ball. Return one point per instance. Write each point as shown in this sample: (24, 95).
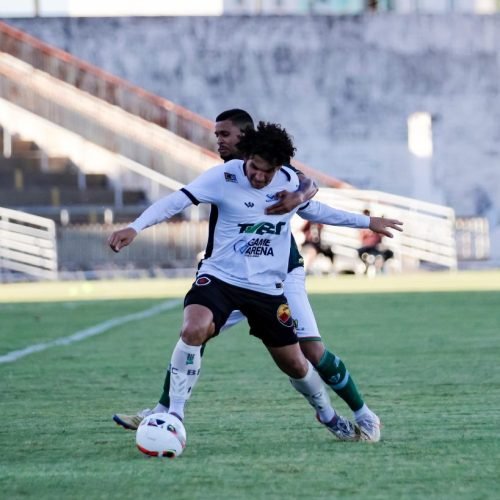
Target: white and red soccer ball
(161, 435)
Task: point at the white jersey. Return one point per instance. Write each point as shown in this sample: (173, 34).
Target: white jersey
(246, 247)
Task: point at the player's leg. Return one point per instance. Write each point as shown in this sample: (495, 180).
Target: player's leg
(184, 368)
(185, 364)
(198, 326)
(132, 420)
(207, 306)
(270, 320)
(164, 403)
(303, 377)
(310, 385)
(330, 367)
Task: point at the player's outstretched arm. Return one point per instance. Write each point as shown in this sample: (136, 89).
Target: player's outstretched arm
(158, 212)
(382, 225)
(289, 200)
(316, 211)
(121, 238)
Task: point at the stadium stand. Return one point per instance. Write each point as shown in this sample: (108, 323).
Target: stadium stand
(99, 146)
(45, 185)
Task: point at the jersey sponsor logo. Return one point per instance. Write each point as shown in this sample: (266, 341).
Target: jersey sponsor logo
(230, 177)
(271, 197)
(202, 281)
(284, 315)
(190, 371)
(254, 248)
(262, 228)
(249, 204)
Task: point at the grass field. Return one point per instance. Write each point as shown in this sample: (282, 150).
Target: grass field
(426, 361)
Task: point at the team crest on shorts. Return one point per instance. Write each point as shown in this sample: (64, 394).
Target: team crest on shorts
(202, 281)
(284, 315)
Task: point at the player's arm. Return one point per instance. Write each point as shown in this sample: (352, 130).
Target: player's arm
(290, 200)
(315, 211)
(162, 210)
(204, 189)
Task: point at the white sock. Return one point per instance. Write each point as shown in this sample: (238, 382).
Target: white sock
(159, 408)
(184, 372)
(313, 389)
(362, 412)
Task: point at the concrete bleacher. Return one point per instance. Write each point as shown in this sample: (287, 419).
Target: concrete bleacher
(344, 86)
(118, 134)
(32, 181)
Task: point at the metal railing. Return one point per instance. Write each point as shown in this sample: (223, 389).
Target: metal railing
(97, 122)
(473, 238)
(106, 88)
(127, 122)
(429, 229)
(27, 244)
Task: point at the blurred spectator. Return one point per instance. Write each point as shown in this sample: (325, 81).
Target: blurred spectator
(313, 245)
(371, 252)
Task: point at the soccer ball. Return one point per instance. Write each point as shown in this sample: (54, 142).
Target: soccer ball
(161, 435)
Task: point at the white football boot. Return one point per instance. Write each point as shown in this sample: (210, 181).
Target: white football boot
(368, 427)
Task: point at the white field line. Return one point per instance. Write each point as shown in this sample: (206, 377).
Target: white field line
(89, 332)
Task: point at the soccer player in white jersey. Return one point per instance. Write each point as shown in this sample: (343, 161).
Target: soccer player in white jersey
(244, 266)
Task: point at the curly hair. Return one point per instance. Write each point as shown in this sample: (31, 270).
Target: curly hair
(270, 141)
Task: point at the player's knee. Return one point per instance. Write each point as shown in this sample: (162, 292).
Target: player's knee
(296, 367)
(195, 333)
(313, 351)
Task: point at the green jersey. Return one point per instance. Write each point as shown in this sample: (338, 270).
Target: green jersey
(295, 259)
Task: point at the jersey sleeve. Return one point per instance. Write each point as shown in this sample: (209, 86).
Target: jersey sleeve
(315, 211)
(296, 170)
(161, 210)
(206, 188)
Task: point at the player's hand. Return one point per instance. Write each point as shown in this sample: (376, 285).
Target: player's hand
(121, 238)
(381, 225)
(287, 202)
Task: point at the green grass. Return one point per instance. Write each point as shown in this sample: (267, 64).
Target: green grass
(428, 363)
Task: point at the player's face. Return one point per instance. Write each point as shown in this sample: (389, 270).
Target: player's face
(259, 171)
(228, 135)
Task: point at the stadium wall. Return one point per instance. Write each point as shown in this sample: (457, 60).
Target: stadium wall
(343, 86)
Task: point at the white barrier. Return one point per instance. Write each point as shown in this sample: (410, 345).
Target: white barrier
(28, 244)
(429, 229)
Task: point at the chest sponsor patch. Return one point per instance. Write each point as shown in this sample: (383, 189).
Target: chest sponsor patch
(230, 177)
(254, 248)
(271, 197)
(284, 315)
(202, 281)
(261, 227)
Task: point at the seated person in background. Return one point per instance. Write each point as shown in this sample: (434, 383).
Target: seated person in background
(370, 251)
(313, 245)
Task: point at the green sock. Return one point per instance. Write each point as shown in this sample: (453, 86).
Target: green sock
(334, 373)
(165, 398)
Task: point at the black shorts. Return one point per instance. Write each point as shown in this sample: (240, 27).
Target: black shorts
(269, 316)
